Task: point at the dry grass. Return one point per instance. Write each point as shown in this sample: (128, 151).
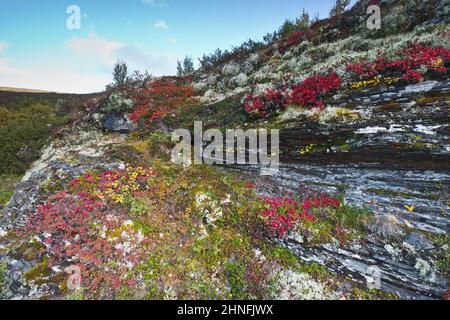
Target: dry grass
(8, 89)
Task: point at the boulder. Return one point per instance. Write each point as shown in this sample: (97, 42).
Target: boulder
(117, 123)
(420, 243)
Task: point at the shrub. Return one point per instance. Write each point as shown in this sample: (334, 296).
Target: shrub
(292, 40)
(283, 214)
(159, 99)
(116, 103)
(26, 129)
(309, 92)
(271, 100)
(412, 65)
(86, 225)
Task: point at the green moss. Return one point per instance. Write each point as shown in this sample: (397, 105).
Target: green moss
(76, 295)
(281, 254)
(3, 270)
(236, 279)
(40, 271)
(224, 114)
(7, 185)
(373, 294)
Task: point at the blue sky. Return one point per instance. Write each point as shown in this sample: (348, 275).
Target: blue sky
(38, 51)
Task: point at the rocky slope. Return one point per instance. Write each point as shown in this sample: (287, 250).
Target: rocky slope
(378, 144)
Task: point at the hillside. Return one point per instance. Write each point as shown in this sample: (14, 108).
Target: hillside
(361, 193)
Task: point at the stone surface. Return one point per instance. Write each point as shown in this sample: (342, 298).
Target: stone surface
(418, 242)
(117, 123)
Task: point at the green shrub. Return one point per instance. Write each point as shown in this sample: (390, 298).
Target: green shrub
(117, 104)
(23, 133)
(3, 270)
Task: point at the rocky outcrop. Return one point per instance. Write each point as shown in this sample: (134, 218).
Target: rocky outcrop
(388, 152)
(71, 154)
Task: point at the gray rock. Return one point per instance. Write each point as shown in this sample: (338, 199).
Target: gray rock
(386, 226)
(419, 242)
(117, 123)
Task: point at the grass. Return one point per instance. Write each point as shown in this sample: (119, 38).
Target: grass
(3, 269)
(226, 114)
(23, 133)
(7, 185)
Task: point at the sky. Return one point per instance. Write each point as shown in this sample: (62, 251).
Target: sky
(39, 51)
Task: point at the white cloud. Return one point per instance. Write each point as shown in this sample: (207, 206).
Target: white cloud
(173, 40)
(161, 24)
(86, 67)
(154, 63)
(3, 46)
(94, 47)
(99, 51)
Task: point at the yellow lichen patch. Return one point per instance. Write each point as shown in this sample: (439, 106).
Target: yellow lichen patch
(306, 150)
(374, 82)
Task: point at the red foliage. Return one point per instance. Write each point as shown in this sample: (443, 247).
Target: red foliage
(271, 100)
(413, 58)
(293, 40)
(79, 227)
(309, 92)
(283, 214)
(159, 99)
(446, 295)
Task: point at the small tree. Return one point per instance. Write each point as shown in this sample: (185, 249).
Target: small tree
(303, 22)
(188, 66)
(179, 68)
(120, 74)
(339, 7)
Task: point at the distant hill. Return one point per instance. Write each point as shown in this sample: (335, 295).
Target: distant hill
(8, 89)
(12, 98)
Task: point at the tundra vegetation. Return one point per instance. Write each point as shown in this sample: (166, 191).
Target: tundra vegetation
(141, 227)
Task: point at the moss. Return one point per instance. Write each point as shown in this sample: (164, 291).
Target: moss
(236, 279)
(373, 294)
(425, 101)
(285, 256)
(390, 107)
(76, 295)
(38, 273)
(3, 270)
(7, 185)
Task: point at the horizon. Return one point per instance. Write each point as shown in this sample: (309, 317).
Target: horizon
(39, 52)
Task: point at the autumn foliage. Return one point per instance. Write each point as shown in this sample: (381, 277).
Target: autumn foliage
(411, 65)
(159, 99)
(283, 214)
(85, 226)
